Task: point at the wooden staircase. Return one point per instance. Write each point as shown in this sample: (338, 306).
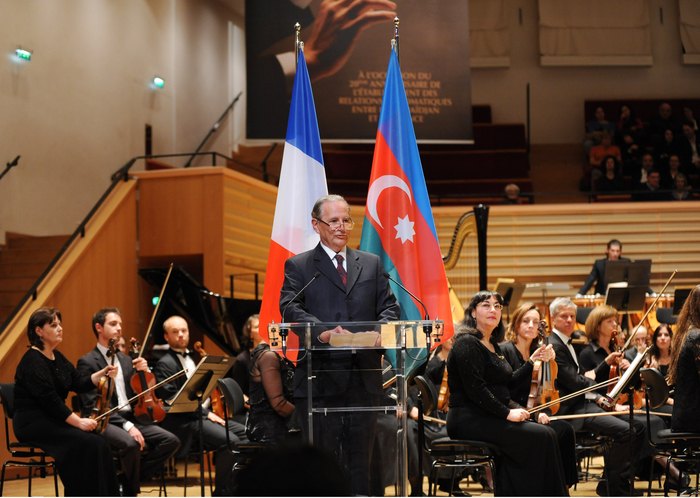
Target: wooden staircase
(22, 260)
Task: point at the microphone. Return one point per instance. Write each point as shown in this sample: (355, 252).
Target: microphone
(284, 333)
(426, 328)
(425, 310)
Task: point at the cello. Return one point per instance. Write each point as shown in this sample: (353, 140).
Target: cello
(544, 374)
(105, 389)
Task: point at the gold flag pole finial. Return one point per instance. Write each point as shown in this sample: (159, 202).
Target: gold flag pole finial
(297, 44)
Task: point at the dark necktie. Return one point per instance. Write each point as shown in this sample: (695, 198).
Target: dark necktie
(341, 271)
(569, 342)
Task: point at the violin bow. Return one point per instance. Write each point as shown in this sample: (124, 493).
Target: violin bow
(155, 312)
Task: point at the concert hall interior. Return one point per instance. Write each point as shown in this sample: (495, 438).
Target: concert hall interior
(133, 142)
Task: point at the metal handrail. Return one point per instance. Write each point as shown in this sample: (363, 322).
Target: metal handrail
(121, 174)
(14, 163)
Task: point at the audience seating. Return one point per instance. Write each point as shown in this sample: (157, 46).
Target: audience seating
(643, 108)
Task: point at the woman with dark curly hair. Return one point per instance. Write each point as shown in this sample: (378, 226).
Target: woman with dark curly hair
(480, 378)
(42, 381)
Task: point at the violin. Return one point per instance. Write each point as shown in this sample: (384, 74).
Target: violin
(149, 409)
(105, 389)
(544, 374)
(615, 373)
(444, 396)
(217, 405)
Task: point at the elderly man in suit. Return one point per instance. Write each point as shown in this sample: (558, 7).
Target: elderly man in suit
(350, 286)
(571, 378)
(129, 436)
(185, 425)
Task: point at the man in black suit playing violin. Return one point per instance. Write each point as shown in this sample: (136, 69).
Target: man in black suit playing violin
(124, 432)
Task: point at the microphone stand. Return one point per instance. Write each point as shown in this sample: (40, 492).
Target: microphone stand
(10, 165)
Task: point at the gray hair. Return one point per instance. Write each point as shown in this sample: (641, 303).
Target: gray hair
(317, 211)
(561, 302)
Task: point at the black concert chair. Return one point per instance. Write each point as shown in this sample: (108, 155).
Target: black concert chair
(449, 453)
(682, 448)
(32, 456)
(234, 404)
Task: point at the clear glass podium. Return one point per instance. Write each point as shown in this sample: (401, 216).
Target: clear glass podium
(339, 370)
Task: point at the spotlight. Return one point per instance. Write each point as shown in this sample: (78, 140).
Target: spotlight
(158, 82)
(23, 54)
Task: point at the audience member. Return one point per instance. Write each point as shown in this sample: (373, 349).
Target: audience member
(612, 180)
(665, 148)
(663, 121)
(689, 153)
(596, 129)
(630, 123)
(512, 194)
(668, 175)
(631, 150)
(681, 192)
(639, 179)
(652, 189)
(606, 148)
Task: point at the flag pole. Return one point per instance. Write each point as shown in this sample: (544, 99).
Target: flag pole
(395, 41)
(298, 45)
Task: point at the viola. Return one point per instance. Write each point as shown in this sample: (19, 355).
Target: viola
(217, 406)
(149, 409)
(105, 389)
(544, 375)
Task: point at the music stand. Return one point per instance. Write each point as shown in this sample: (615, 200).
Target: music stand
(680, 295)
(633, 272)
(197, 388)
(626, 299)
(511, 291)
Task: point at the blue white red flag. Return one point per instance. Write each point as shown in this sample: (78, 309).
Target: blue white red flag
(302, 182)
(399, 225)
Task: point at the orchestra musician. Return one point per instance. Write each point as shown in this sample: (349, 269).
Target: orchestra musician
(639, 344)
(481, 408)
(185, 425)
(42, 381)
(521, 342)
(240, 372)
(660, 357)
(599, 357)
(684, 369)
(597, 275)
(129, 436)
(572, 378)
(350, 286)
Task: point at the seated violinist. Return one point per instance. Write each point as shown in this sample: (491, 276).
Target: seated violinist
(602, 356)
(124, 432)
(522, 337)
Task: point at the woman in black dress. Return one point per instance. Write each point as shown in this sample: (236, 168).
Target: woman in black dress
(479, 378)
(271, 396)
(659, 357)
(685, 365)
(42, 381)
(522, 341)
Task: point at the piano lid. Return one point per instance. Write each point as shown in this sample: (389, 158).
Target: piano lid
(219, 318)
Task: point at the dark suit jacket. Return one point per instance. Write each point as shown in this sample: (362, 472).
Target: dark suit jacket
(597, 275)
(91, 363)
(570, 379)
(166, 367)
(367, 297)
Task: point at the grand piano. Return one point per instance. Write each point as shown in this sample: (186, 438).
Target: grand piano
(219, 318)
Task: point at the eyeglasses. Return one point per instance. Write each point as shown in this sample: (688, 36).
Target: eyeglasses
(487, 306)
(347, 224)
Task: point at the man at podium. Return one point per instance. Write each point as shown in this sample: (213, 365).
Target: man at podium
(597, 275)
(344, 285)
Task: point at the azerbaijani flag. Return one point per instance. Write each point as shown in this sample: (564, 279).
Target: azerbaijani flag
(399, 224)
(302, 182)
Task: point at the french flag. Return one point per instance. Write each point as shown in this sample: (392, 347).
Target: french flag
(302, 182)
(399, 225)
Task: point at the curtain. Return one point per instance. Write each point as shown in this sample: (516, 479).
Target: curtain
(690, 30)
(488, 33)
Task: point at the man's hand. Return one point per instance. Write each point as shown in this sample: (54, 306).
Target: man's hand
(336, 30)
(140, 364)
(590, 374)
(413, 413)
(216, 419)
(325, 336)
(136, 434)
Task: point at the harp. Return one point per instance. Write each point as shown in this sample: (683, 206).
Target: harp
(467, 275)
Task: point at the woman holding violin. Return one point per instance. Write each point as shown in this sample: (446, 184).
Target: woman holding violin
(607, 361)
(523, 338)
(479, 379)
(42, 382)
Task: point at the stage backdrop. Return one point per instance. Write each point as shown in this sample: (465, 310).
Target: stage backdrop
(346, 53)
